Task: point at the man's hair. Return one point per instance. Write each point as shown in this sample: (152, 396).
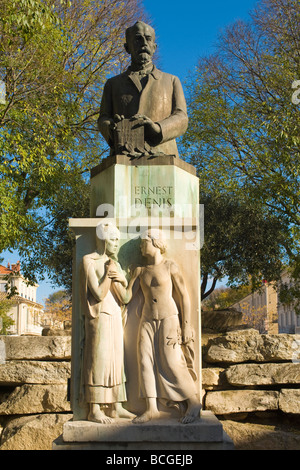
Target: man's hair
(130, 30)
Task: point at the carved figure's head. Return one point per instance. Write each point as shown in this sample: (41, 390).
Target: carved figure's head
(109, 235)
(154, 238)
(140, 43)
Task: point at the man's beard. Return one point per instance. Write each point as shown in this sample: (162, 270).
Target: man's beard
(144, 58)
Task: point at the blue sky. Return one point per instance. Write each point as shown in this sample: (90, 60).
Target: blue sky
(189, 29)
(185, 31)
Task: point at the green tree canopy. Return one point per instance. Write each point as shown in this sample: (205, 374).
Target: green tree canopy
(58, 308)
(55, 57)
(5, 320)
(244, 127)
(224, 297)
(244, 131)
(242, 242)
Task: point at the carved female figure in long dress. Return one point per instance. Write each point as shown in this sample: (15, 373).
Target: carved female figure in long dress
(163, 370)
(103, 362)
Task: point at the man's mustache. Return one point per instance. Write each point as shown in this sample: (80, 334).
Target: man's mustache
(144, 50)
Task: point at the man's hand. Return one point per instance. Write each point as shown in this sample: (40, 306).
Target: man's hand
(118, 118)
(153, 129)
(110, 124)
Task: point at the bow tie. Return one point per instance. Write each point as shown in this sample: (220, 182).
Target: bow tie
(142, 73)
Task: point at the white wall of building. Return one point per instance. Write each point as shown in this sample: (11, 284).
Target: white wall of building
(288, 320)
(25, 312)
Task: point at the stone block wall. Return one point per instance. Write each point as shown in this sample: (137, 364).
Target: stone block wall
(246, 372)
(34, 373)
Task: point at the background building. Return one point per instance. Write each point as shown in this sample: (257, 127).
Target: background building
(260, 309)
(288, 320)
(25, 311)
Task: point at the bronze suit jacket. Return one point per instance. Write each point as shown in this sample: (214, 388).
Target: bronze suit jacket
(162, 100)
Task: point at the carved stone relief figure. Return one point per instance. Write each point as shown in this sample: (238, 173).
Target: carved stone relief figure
(103, 358)
(165, 371)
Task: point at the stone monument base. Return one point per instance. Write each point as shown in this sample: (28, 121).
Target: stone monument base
(204, 434)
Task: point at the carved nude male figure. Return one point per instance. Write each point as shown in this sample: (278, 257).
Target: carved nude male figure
(163, 371)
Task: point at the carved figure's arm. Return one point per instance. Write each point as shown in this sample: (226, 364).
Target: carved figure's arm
(185, 305)
(106, 122)
(98, 288)
(120, 283)
(134, 283)
(176, 124)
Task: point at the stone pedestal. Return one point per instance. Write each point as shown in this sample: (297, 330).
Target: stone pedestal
(167, 435)
(135, 195)
(123, 187)
(149, 192)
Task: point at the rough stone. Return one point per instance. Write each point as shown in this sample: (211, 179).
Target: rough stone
(41, 348)
(250, 436)
(250, 345)
(56, 332)
(221, 320)
(206, 337)
(34, 432)
(32, 399)
(34, 372)
(159, 434)
(263, 374)
(241, 401)
(154, 446)
(212, 378)
(206, 429)
(289, 401)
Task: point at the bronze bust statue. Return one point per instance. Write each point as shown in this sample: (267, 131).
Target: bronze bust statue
(143, 110)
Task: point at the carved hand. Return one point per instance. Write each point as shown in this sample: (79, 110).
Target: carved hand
(114, 274)
(109, 265)
(111, 124)
(118, 118)
(187, 333)
(152, 127)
